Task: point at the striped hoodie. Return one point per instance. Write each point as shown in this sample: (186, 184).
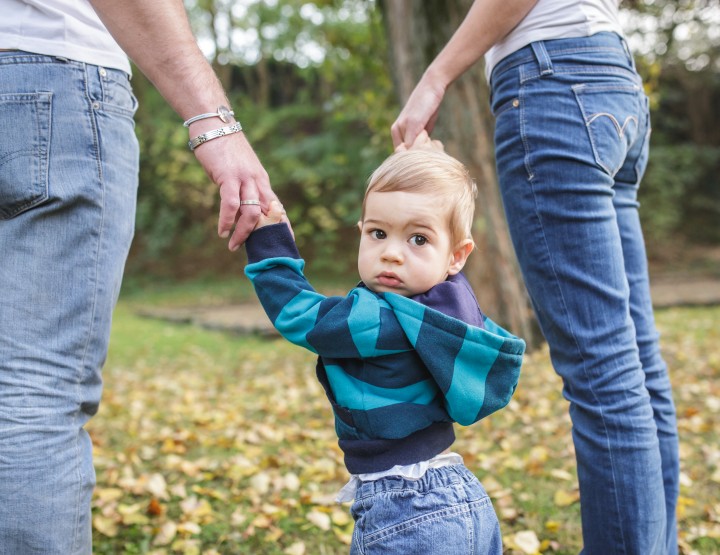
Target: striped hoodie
(398, 371)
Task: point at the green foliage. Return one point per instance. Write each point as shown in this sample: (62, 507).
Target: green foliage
(679, 195)
(678, 53)
(311, 84)
(316, 104)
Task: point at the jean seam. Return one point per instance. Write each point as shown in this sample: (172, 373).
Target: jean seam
(458, 510)
(531, 180)
(588, 381)
(93, 311)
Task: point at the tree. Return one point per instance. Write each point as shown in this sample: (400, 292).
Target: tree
(417, 31)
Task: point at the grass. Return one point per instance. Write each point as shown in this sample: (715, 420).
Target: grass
(208, 442)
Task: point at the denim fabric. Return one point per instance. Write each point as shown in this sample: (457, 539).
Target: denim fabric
(68, 183)
(572, 131)
(446, 511)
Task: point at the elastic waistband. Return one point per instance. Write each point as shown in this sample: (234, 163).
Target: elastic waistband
(434, 478)
(542, 51)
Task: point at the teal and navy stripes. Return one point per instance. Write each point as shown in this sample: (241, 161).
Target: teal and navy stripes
(397, 370)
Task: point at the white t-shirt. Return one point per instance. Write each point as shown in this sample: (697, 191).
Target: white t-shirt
(67, 28)
(556, 19)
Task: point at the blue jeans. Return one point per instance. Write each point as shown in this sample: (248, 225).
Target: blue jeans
(68, 183)
(572, 131)
(446, 511)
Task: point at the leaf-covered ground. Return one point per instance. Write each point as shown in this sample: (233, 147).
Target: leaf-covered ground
(209, 443)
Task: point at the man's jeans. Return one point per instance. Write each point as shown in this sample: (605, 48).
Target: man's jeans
(68, 184)
(445, 512)
(572, 131)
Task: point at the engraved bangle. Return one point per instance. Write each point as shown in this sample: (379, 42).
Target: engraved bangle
(223, 112)
(214, 134)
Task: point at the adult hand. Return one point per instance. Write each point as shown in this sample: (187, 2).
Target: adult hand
(158, 38)
(419, 114)
(234, 167)
(423, 140)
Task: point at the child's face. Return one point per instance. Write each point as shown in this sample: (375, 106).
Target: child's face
(405, 243)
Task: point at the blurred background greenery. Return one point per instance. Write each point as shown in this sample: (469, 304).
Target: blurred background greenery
(312, 84)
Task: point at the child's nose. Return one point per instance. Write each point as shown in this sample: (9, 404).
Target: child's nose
(392, 253)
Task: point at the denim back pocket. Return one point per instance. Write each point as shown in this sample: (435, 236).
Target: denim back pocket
(612, 118)
(24, 151)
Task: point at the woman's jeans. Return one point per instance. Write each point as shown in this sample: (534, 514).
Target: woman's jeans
(68, 183)
(445, 512)
(572, 131)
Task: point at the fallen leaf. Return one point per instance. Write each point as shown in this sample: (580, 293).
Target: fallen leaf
(526, 541)
(564, 498)
(321, 520)
(166, 534)
(106, 526)
(297, 548)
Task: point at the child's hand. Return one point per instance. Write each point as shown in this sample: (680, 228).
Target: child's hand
(275, 214)
(423, 140)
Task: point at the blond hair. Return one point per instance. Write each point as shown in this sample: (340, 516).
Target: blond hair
(427, 171)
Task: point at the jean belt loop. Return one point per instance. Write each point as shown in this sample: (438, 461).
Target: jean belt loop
(628, 53)
(542, 57)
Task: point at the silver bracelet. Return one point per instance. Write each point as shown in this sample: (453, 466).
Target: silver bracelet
(223, 112)
(214, 134)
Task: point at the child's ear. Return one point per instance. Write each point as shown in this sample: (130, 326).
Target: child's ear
(460, 255)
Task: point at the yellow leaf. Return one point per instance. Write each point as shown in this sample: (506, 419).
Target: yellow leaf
(291, 481)
(343, 536)
(135, 518)
(552, 526)
(340, 517)
(298, 548)
(195, 508)
(108, 494)
(186, 546)
(189, 528)
(566, 498)
(260, 482)
(157, 486)
(126, 510)
(106, 526)
(166, 534)
(561, 474)
(209, 492)
(261, 521)
(321, 520)
(508, 514)
(238, 517)
(526, 541)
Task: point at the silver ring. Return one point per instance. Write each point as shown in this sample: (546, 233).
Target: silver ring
(250, 202)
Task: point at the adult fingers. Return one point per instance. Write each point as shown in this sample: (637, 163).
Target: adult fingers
(250, 208)
(229, 208)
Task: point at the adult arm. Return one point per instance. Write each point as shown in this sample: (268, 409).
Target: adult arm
(156, 35)
(487, 22)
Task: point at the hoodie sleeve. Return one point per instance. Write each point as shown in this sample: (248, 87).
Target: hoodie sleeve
(476, 369)
(339, 327)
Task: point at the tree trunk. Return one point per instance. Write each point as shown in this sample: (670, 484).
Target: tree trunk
(417, 31)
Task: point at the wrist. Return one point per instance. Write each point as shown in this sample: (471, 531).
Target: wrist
(436, 79)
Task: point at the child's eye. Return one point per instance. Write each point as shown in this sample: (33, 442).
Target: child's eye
(418, 240)
(378, 234)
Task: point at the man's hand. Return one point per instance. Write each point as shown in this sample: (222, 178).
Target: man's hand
(157, 37)
(232, 164)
